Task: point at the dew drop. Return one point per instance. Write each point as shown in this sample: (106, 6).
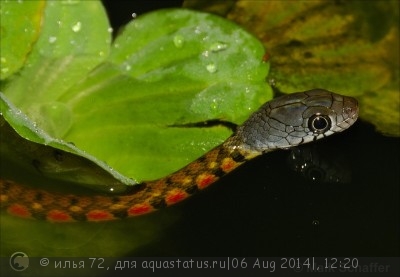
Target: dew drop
(4, 69)
(134, 15)
(52, 39)
(214, 104)
(212, 68)
(197, 30)
(3, 60)
(205, 54)
(178, 41)
(128, 67)
(218, 46)
(77, 27)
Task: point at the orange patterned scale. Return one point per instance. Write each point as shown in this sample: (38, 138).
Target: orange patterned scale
(140, 209)
(175, 196)
(99, 215)
(204, 180)
(59, 216)
(19, 210)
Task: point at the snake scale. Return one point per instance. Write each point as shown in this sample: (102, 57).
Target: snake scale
(281, 123)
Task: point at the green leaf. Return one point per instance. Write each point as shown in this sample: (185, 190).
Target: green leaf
(19, 26)
(167, 69)
(52, 157)
(69, 46)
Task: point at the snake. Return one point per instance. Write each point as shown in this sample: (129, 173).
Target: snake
(282, 123)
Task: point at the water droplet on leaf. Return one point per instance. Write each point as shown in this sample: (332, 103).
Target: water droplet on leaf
(52, 39)
(218, 46)
(178, 41)
(211, 67)
(77, 27)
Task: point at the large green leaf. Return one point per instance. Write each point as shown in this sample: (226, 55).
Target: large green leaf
(167, 69)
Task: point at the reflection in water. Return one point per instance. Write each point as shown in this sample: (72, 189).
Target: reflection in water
(320, 164)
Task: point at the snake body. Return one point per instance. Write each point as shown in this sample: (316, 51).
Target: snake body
(282, 123)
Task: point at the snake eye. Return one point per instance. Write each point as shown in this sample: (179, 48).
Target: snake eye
(319, 123)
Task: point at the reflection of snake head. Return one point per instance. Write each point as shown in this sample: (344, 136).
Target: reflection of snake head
(295, 119)
(320, 164)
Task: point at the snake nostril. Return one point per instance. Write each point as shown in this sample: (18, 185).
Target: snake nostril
(348, 110)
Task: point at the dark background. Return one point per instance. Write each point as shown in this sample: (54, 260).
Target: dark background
(266, 209)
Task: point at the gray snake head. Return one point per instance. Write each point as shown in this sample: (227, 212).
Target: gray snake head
(294, 119)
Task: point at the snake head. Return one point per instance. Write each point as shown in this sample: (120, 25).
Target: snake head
(295, 119)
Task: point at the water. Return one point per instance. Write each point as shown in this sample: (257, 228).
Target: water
(265, 209)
